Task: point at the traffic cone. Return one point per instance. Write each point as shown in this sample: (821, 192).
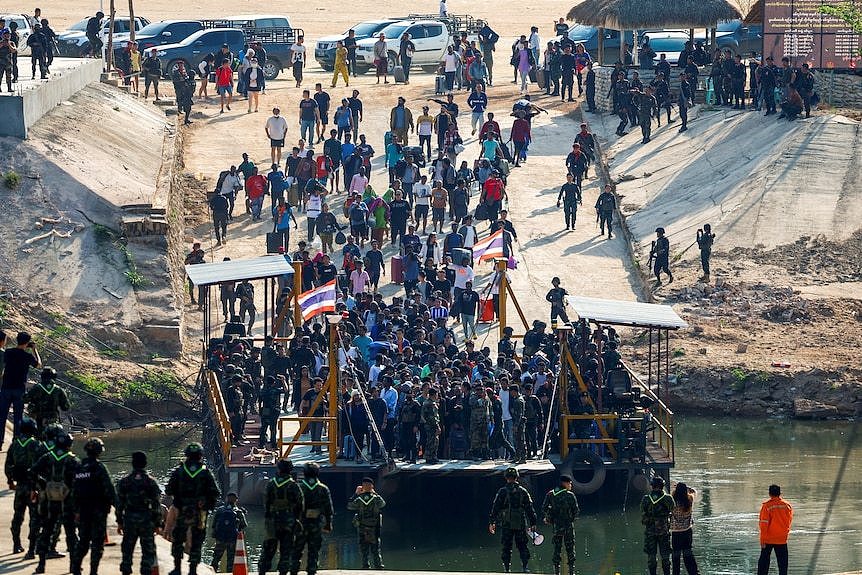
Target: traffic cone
(108, 542)
(239, 565)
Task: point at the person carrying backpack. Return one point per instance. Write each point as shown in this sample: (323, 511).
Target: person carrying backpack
(228, 521)
(25, 450)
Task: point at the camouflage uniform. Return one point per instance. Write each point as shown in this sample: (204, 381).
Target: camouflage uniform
(408, 421)
(517, 409)
(368, 521)
(317, 517)
(560, 509)
(431, 420)
(283, 506)
(512, 512)
(194, 493)
(22, 454)
(44, 403)
(139, 514)
(57, 466)
(479, 419)
(656, 507)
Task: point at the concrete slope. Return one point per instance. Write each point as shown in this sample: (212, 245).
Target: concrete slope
(758, 180)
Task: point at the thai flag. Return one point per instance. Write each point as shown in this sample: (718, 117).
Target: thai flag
(489, 248)
(320, 299)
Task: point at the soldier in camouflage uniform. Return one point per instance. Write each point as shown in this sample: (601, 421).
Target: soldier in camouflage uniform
(517, 409)
(656, 507)
(94, 497)
(283, 507)
(408, 425)
(533, 416)
(368, 506)
(23, 453)
(45, 400)
(194, 491)
(513, 511)
(139, 514)
(480, 417)
(560, 509)
(316, 520)
(431, 420)
(54, 475)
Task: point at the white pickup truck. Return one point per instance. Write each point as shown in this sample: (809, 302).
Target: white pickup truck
(431, 37)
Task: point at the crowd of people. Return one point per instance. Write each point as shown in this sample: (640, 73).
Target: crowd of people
(41, 41)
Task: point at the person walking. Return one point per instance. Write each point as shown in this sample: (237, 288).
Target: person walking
(605, 206)
(570, 194)
(478, 102)
(681, 523)
(660, 253)
(512, 511)
(193, 489)
(255, 83)
(25, 450)
(184, 89)
(381, 58)
(309, 117)
(406, 49)
(94, 495)
(400, 123)
(705, 239)
(776, 518)
(340, 66)
(656, 508)
(151, 68)
(93, 33)
(368, 506)
(46, 399)
(224, 84)
(560, 509)
(450, 67)
(524, 61)
(556, 296)
(297, 58)
(17, 363)
(228, 522)
(276, 131)
(316, 521)
(139, 514)
(283, 509)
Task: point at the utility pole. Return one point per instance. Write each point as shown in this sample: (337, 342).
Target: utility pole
(132, 20)
(109, 55)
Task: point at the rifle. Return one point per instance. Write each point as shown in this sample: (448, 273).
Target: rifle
(651, 254)
(597, 217)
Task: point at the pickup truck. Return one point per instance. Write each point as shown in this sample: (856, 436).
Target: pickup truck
(193, 49)
(275, 33)
(324, 50)
(431, 38)
(73, 42)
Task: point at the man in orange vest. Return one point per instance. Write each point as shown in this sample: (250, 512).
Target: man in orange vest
(776, 515)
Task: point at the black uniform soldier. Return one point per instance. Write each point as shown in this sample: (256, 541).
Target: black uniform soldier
(228, 522)
(715, 76)
(533, 415)
(517, 410)
(270, 408)
(557, 297)
(408, 427)
(662, 95)
(513, 511)
(139, 514)
(682, 100)
(656, 507)
(623, 102)
(705, 239)
(560, 509)
(23, 453)
(54, 474)
(431, 420)
(194, 491)
(283, 508)
(94, 496)
(46, 399)
(316, 520)
(605, 206)
(368, 506)
(660, 252)
(497, 439)
(766, 79)
(570, 194)
(647, 106)
(737, 79)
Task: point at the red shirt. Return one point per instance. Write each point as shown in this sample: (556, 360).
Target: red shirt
(489, 126)
(323, 163)
(493, 189)
(224, 76)
(255, 187)
(520, 130)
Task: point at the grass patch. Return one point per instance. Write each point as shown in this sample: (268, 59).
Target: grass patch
(136, 279)
(89, 382)
(11, 180)
(114, 353)
(678, 352)
(153, 384)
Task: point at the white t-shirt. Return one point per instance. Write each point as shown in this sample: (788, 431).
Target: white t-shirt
(229, 185)
(276, 126)
(358, 183)
(450, 61)
(426, 127)
(297, 52)
(463, 274)
(470, 237)
(422, 194)
(444, 11)
(313, 206)
(535, 41)
(202, 67)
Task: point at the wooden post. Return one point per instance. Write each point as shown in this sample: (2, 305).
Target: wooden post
(132, 20)
(297, 289)
(623, 47)
(635, 58)
(601, 46)
(332, 387)
(500, 267)
(109, 55)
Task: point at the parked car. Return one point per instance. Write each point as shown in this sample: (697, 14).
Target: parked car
(739, 38)
(24, 30)
(669, 43)
(193, 49)
(275, 33)
(73, 42)
(589, 37)
(324, 50)
(165, 32)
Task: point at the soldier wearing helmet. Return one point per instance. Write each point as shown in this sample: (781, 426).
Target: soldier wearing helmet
(660, 252)
(25, 450)
(283, 505)
(195, 493)
(139, 514)
(54, 475)
(46, 399)
(94, 496)
(513, 512)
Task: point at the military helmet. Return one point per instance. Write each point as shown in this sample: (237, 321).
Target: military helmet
(512, 472)
(285, 466)
(613, 344)
(659, 230)
(28, 427)
(63, 441)
(49, 374)
(94, 446)
(53, 431)
(193, 449)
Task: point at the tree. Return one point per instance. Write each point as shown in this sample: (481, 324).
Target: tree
(847, 12)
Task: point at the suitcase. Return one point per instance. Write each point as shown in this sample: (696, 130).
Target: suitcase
(458, 255)
(540, 78)
(486, 310)
(396, 270)
(504, 167)
(440, 85)
(349, 447)
(398, 74)
(274, 241)
(533, 74)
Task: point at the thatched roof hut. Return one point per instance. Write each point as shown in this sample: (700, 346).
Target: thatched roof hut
(652, 14)
(755, 14)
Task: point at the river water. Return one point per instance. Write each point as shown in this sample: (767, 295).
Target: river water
(440, 525)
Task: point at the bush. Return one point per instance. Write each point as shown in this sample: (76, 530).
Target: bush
(11, 179)
(89, 382)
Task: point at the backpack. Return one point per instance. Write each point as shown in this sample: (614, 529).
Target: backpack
(222, 175)
(225, 524)
(493, 37)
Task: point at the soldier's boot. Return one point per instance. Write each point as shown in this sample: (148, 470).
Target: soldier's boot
(506, 567)
(31, 552)
(571, 569)
(193, 569)
(526, 569)
(40, 568)
(16, 544)
(177, 570)
(556, 569)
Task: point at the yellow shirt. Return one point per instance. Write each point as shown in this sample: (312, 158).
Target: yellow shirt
(340, 56)
(135, 58)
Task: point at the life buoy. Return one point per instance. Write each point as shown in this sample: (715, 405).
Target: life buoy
(597, 465)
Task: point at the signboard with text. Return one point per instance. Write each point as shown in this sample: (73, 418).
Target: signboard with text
(797, 29)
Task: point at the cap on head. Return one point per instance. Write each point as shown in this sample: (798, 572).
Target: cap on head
(94, 446)
(657, 482)
(512, 473)
(285, 466)
(194, 450)
(139, 460)
(28, 427)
